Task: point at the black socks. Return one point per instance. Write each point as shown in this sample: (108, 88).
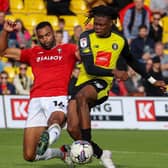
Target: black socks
(86, 135)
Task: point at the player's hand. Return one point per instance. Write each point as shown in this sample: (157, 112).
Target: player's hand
(118, 74)
(9, 26)
(161, 85)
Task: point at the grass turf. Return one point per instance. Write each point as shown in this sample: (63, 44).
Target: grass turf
(131, 149)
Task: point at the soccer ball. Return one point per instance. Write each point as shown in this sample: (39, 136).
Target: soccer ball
(81, 152)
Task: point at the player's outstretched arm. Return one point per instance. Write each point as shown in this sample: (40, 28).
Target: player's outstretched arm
(3, 41)
(13, 53)
(140, 68)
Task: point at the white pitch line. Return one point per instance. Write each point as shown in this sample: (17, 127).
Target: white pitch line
(151, 153)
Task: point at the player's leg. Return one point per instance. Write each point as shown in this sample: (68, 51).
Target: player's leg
(52, 133)
(31, 138)
(74, 120)
(73, 126)
(86, 97)
(56, 121)
(55, 109)
(30, 141)
(36, 123)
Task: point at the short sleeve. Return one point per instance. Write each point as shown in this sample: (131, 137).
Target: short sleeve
(74, 48)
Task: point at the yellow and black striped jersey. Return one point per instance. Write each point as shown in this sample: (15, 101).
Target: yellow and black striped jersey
(99, 57)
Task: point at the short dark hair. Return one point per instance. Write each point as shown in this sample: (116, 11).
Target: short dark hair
(156, 59)
(102, 10)
(59, 31)
(142, 27)
(62, 20)
(4, 72)
(43, 24)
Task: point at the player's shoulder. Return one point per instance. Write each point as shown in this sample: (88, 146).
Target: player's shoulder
(119, 35)
(69, 45)
(36, 48)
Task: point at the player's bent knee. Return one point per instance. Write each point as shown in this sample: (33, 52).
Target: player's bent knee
(71, 129)
(80, 97)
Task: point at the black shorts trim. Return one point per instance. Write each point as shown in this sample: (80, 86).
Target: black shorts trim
(98, 84)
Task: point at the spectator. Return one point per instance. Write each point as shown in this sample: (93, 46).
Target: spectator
(77, 32)
(23, 36)
(22, 82)
(6, 88)
(34, 41)
(156, 29)
(118, 88)
(159, 6)
(155, 71)
(58, 7)
(120, 4)
(133, 18)
(12, 36)
(149, 64)
(142, 47)
(58, 37)
(130, 5)
(61, 25)
(159, 51)
(134, 84)
(1, 65)
(4, 5)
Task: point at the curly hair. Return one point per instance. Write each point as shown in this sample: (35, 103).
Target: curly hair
(105, 11)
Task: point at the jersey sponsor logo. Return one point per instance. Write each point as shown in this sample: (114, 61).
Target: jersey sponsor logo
(145, 110)
(115, 46)
(83, 42)
(59, 50)
(103, 58)
(49, 58)
(19, 109)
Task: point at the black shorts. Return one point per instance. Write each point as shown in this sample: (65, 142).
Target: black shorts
(98, 84)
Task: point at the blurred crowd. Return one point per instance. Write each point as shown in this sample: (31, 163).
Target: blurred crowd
(141, 25)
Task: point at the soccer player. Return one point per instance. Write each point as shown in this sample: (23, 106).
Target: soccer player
(52, 67)
(100, 49)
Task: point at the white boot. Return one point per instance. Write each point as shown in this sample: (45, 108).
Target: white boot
(106, 159)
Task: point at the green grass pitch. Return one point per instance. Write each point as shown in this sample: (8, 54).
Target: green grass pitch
(131, 149)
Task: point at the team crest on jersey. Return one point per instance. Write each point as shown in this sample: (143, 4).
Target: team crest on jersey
(115, 46)
(83, 42)
(59, 50)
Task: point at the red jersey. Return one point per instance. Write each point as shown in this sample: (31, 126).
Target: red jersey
(51, 69)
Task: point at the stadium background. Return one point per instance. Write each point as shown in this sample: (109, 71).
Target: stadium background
(131, 148)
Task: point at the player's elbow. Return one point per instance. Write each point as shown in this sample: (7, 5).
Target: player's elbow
(2, 52)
